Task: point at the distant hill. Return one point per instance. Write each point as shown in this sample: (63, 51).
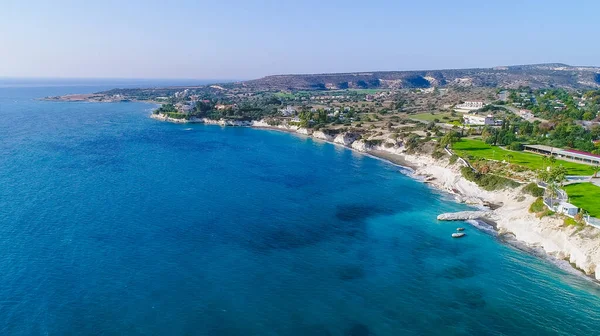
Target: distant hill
(535, 76)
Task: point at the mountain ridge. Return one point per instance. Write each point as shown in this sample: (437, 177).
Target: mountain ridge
(534, 75)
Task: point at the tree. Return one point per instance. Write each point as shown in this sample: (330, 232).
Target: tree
(509, 157)
(449, 138)
(552, 190)
(596, 170)
(557, 174)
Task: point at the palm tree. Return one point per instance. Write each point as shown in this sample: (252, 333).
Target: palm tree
(553, 192)
(596, 170)
(509, 157)
(552, 160)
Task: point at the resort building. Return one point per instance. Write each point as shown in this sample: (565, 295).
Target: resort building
(468, 106)
(569, 154)
(477, 120)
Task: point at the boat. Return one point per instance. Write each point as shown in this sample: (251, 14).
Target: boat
(460, 229)
(458, 235)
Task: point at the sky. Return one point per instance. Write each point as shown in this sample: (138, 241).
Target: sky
(244, 39)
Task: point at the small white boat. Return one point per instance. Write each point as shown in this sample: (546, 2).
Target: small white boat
(458, 234)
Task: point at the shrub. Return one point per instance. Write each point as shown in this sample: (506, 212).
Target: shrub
(516, 146)
(568, 221)
(537, 206)
(488, 181)
(545, 213)
(533, 190)
(375, 142)
(437, 154)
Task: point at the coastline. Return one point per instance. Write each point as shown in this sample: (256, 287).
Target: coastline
(579, 247)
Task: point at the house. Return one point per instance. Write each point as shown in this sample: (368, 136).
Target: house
(221, 107)
(288, 111)
(477, 120)
(184, 108)
(468, 106)
(567, 209)
(526, 114)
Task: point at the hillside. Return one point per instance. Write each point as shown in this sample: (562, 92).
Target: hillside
(536, 76)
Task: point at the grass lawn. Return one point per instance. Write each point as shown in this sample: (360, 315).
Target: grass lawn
(367, 91)
(478, 148)
(431, 117)
(585, 196)
(284, 95)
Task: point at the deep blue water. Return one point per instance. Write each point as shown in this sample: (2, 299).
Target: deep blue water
(113, 223)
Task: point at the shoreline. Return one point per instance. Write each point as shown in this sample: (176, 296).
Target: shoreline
(512, 221)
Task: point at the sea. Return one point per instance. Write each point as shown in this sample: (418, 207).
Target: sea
(112, 223)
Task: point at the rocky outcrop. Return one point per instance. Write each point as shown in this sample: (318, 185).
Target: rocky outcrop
(360, 145)
(164, 117)
(304, 131)
(323, 136)
(464, 215)
(346, 139)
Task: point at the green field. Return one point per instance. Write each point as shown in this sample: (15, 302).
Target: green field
(480, 149)
(586, 196)
(285, 95)
(431, 117)
(366, 91)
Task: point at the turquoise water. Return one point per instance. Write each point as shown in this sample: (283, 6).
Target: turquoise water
(112, 223)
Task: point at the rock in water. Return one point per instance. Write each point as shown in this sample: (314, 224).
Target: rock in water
(464, 215)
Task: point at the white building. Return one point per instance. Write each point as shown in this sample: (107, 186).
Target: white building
(288, 111)
(468, 106)
(526, 114)
(568, 209)
(477, 120)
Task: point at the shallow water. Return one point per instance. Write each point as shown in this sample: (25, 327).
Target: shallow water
(114, 223)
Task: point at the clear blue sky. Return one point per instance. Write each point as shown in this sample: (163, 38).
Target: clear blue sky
(237, 39)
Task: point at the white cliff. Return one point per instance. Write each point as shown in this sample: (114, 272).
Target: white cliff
(346, 139)
(323, 136)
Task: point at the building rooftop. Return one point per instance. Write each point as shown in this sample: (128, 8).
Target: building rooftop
(544, 148)
(570, 153)
(566, 205)
(574, 151)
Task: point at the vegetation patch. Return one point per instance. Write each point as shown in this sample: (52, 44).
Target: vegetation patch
(568, 221)
(533, 190)
(537, 206)
(488, 181)
(545, 213)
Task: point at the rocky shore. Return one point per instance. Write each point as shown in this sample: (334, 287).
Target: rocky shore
(581, 247)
